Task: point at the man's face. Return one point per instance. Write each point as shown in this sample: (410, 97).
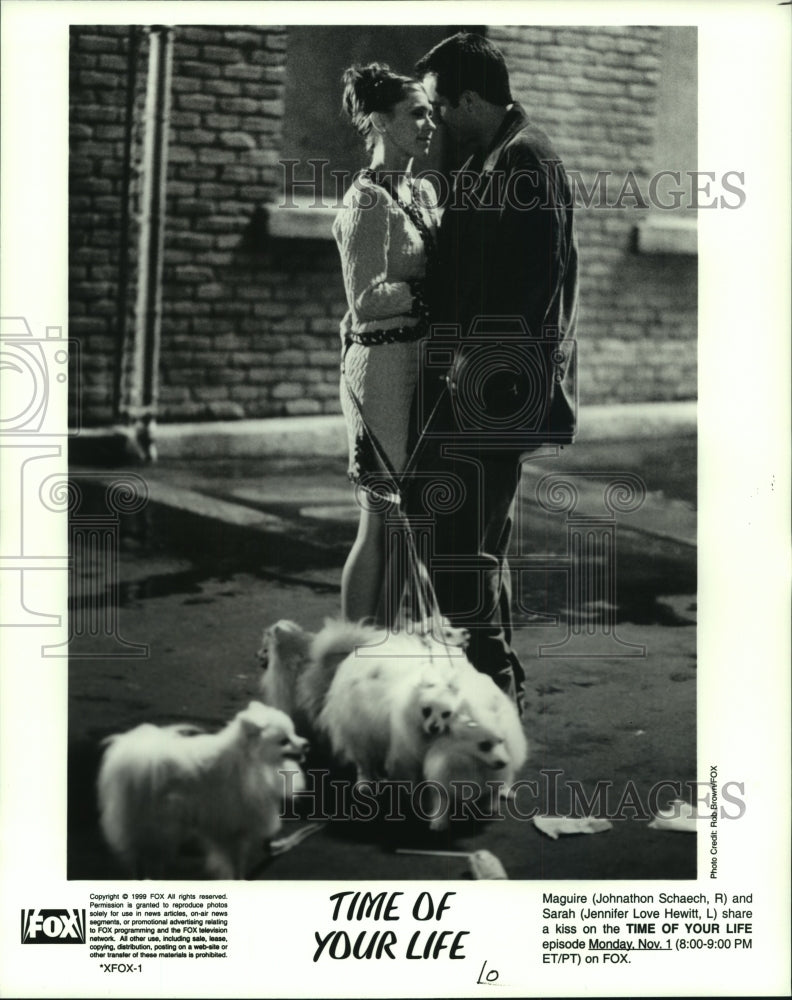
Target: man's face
(451, 117)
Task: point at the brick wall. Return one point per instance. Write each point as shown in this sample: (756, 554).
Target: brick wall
(248, 326)
(106, 80)
(250, 323)
(594, 90)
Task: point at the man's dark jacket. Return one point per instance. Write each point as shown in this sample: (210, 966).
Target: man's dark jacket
(507, 248)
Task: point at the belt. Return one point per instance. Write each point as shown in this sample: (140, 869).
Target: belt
(400, 334)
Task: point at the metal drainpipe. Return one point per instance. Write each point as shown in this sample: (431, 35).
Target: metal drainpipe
(148, 313)
(122, 305)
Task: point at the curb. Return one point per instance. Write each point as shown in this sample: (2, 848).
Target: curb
(326, 435)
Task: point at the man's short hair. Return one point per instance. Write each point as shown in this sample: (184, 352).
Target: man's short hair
(466, 61)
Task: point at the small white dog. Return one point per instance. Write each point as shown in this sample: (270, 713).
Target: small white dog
(298, 666)
(422, 706)
(284, 655)
(173, 798)
(464, 764)
(484, 746)
(386, 701)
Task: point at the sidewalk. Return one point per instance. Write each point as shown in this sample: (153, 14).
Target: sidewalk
(325, 435)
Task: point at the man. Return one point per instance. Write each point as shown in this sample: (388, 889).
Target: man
(498, 377)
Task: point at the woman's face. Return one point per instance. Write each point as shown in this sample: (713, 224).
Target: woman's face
(410, 126)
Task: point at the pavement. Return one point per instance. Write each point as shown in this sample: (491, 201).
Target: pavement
(225, 545)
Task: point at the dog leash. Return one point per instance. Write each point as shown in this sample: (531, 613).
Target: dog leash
(418, 585)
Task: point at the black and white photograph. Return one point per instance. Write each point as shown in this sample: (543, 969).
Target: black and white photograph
(387, 512)
(492, 233)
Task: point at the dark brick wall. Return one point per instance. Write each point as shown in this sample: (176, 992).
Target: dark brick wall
(594, 90)
(246, 327)
(250, 324)
(107, 74)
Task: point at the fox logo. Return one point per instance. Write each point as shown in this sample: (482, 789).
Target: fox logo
(59, 926)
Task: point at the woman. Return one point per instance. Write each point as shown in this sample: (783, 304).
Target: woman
(385, 234)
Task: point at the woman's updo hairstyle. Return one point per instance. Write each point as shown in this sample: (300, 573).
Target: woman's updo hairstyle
(372, 88)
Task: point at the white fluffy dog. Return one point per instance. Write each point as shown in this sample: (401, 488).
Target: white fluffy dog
(298, 666)
(387, 699)
(284, 655)
(173, 797)
(485, 746)
(381, 711)
(466, 762)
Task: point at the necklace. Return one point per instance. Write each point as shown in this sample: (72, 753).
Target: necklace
(410, 209)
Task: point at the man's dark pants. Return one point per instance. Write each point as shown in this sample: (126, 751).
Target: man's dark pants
(468, 540)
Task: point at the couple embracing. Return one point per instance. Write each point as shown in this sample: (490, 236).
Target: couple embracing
(458, 351)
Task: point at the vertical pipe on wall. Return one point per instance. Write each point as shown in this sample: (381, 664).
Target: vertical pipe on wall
(142, 411)
(122, 304)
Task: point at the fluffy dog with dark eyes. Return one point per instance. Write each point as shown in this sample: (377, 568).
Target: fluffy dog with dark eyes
(384, 706)
(463, 765)
(175, 800)
(481, 752)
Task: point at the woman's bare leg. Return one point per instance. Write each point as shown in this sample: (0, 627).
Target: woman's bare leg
(364, 571)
